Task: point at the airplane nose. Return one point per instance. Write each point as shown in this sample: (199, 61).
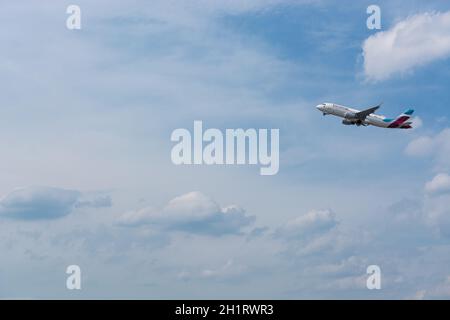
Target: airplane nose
(319, 107)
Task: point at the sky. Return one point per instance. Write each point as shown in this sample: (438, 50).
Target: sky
(87, 179)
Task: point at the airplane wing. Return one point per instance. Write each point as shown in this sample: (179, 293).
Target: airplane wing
(363, 114)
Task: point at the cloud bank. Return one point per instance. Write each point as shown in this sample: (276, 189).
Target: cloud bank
(34, 203)
(41, 202)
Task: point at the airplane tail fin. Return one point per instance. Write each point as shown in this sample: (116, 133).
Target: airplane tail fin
(401, 121)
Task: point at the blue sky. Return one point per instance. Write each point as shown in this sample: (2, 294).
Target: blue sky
(87, 179)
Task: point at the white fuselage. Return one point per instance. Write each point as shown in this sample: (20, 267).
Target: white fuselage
(348, 113)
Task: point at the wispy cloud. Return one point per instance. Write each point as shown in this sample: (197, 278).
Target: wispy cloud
(310, 224)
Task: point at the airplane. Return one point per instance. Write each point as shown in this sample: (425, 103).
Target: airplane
(366, 117)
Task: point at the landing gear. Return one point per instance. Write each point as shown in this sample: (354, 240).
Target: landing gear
(324, 114)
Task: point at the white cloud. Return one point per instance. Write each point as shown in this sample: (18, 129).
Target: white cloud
(420, 146)
(415, 41)
(439, 184)
(191, 212)
(437, 147)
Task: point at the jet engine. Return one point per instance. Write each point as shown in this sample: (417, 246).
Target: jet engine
(348, 122)
(353, 122)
